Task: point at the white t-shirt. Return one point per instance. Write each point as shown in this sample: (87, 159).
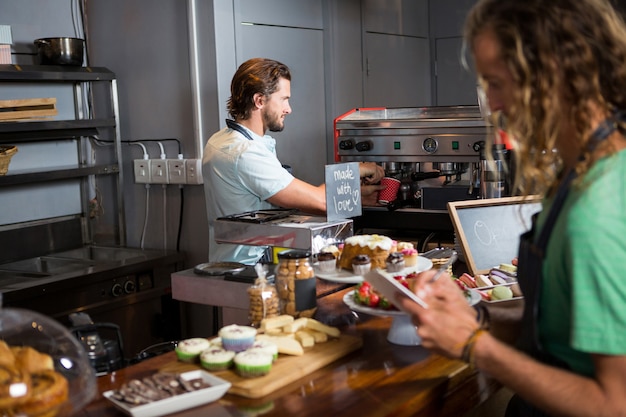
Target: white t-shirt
(239, 175)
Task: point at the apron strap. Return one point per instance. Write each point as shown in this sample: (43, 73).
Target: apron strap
(237, 127)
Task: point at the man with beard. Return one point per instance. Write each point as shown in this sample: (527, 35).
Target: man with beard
(240, 168)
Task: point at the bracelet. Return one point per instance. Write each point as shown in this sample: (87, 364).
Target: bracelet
(482, 317)
(467, 355)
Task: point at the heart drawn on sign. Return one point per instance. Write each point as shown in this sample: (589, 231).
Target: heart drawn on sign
(355, 196)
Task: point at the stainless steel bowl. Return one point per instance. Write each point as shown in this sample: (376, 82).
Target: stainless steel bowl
(60, 51)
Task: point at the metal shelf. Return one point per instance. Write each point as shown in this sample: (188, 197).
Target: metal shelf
(56, 174)
(79, 129)
(54, 73)
(12, 132)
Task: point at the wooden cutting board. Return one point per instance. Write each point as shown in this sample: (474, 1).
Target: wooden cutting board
(285, 369)
(11, 110)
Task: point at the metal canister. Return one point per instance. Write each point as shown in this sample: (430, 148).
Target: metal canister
(295, 283)
(492, 174)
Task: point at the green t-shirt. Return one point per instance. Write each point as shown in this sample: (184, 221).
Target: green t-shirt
(583, 301)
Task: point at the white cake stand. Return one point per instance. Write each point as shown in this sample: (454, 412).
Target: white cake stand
(402, 331)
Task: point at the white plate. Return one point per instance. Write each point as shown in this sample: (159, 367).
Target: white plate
(348, 299)
(180, 402)
(343, 276)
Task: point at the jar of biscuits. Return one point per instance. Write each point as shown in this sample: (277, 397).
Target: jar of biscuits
(264, 302)
(295, 283)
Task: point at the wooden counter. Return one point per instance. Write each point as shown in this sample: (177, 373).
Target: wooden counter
(379, 379)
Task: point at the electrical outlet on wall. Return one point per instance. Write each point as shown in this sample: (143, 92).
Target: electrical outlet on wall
(176, 171)
(158, 171)
(142, 171)
(194, 171)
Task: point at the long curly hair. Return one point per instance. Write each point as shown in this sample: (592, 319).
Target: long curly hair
(256, 75)
(563, 56)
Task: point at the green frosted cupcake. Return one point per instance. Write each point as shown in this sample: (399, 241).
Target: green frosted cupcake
(252, 364)
(265, 346)
(189, 350)
(216, 359)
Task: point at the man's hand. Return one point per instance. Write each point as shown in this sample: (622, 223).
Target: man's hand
(369, 194)
(370, 172)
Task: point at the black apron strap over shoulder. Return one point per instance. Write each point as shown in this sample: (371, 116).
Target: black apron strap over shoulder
(237, 127)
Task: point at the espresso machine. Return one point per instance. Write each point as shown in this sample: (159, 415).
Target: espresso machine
(438, 153)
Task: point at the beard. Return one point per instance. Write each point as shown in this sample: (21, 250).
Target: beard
(273, 122)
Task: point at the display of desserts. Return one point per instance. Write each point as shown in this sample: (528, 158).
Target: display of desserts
(376, 247)
(500, 284)
(353, 255)
(279, 335)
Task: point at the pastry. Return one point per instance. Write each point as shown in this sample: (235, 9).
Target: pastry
(361, 264)
(265, 346)
(326, 261)
(395, 262)
(376, 247)
(410, 256)
(216, 359)
(237, 338)
(334, 249)
(252, 364)
(31, 360)
(189, 350)
(49, 392)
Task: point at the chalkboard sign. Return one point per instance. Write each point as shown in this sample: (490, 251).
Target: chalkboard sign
(489, 229)
(343, 191)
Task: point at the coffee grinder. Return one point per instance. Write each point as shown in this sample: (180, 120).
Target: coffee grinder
(105, 354)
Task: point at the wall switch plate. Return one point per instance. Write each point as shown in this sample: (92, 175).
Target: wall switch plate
(176, 171)
(158, 171)
(194, 171)
(142, 171)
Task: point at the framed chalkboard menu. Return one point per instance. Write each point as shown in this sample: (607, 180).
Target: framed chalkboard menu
(488, 230)
(343, 191)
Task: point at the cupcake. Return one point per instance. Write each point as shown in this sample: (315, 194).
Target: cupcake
(216, 359)
(237, 338)
(361, 264)
(332, 249)
(265, 346)
(189, 350)
(410, 256)
(395, 262)
(216, 342)
(252, 364)
(404, 245)
(327, 262)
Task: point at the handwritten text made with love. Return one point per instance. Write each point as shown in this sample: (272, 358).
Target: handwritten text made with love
(346, 198)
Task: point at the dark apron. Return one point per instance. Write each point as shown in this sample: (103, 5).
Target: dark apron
(532, 248)
(530, 277)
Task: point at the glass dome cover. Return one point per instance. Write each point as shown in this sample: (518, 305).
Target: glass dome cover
(21, 328)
